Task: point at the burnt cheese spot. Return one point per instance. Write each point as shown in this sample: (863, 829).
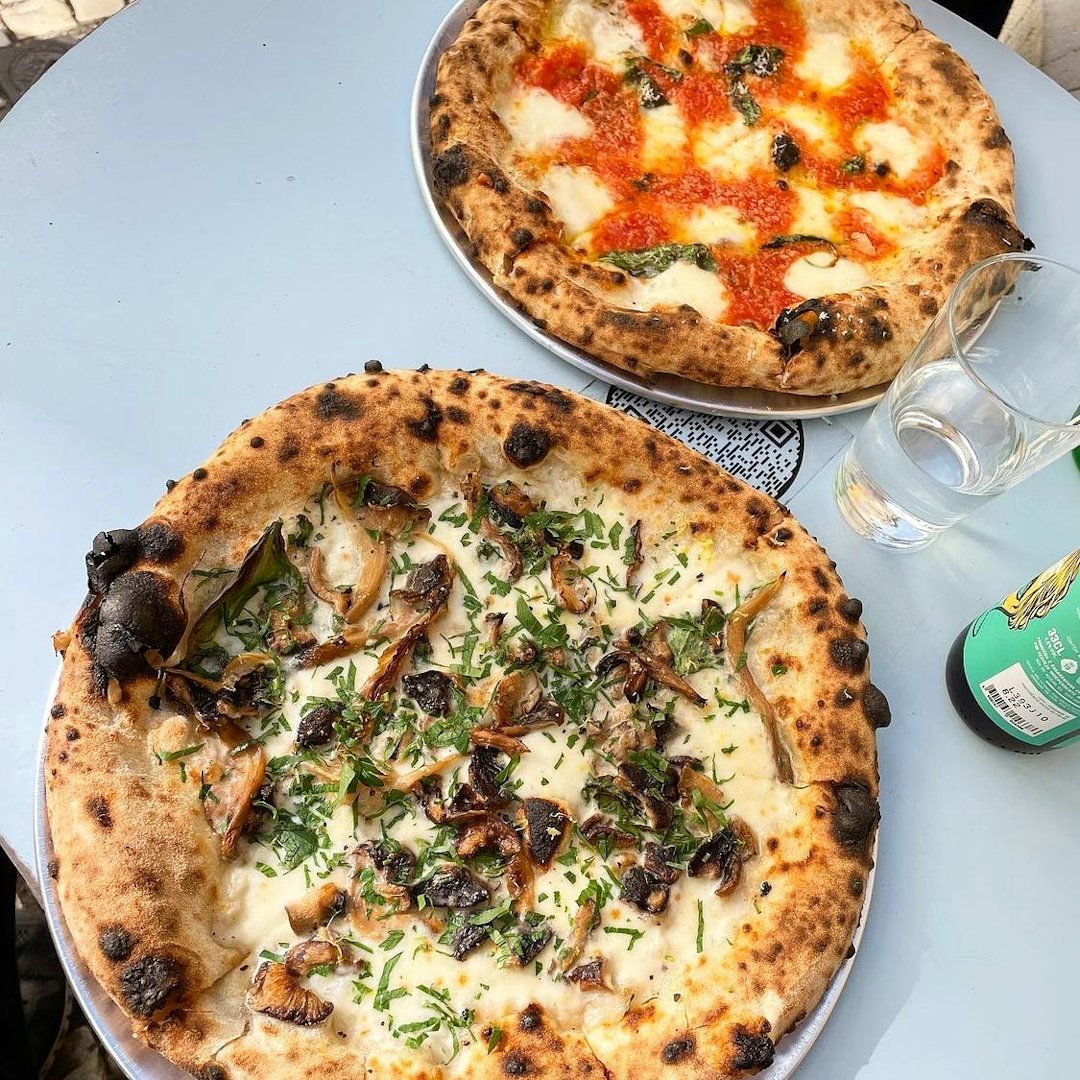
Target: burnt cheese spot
(526, 445)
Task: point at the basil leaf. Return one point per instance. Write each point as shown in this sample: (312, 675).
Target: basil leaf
(797, 238)
(743, 100)
(699, 28)
(649, 262)
(759, 60)
(649, 95)
(854, 165)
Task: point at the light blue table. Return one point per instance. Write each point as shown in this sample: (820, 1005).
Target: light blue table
(208, 205)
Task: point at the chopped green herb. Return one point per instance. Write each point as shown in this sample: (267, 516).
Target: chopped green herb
(649, 262)
(700, 926)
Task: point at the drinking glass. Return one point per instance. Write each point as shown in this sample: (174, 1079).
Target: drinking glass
(989, 396)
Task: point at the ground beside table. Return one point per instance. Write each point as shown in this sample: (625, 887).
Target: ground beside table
(185, 242)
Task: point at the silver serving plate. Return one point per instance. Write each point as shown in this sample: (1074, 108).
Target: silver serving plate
(139, 1062)
(670, 389)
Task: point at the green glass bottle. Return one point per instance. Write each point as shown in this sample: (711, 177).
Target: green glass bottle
(1014, 673)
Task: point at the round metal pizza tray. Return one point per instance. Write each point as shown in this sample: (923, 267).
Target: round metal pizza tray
(670, 389)
(139, 1062)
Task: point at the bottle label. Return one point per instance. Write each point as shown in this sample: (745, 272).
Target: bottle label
(1022, 658)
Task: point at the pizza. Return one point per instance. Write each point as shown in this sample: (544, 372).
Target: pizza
(444, 725)
(763, 193)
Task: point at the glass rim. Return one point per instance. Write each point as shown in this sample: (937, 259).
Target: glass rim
(959, 351)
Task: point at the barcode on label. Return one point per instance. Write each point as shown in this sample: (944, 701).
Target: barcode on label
(1010, 714)
(1021, 704)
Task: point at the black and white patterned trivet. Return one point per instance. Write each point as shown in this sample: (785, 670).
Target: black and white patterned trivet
(764, 453)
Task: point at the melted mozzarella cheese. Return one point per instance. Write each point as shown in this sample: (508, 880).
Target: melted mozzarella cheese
(893, 144)
(816, 126)
(726, 16)
(892, 214)
(665, 137)
(683, 283)
(814, 214)
(609, 38)
(577, 197)
(717, 225)
(536, 119)
(828, 60)
(817, 275)
(733, 149)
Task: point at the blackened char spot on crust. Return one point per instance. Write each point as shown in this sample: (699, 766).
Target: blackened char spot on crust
(996, 139)
(290, 448)
(516, 1065)
(522, 239)
(148, 983)
(159, 542)
(427, 428)
(58, 710)
(990, 215)
(110, 554)
(850, 609)
(137, 614)
(257, 442)
(822, 579)
(98, 808)
(459, 386)
(678, 1049)
(373, 367)
(332, 403)
(876, 706)
(526, 445)
(795, 326)
(450, 168)
(210, 1071)
(116, 944)
(531, 1018)
(857, 813)
(849, 653)
(751, 1051)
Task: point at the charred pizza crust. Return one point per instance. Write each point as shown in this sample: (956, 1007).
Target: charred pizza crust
(139, 870)
(841, 342)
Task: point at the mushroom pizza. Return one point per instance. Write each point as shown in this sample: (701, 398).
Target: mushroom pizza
(446, 725)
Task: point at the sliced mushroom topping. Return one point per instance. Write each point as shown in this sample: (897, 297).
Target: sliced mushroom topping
(338, 599)
(690, 780)
(494, 621)
(393, 508)
(521, 881)
(498, 740)
(317, 727)
(276, 993)
(658, 860)
(514, 695)
(432, 690)
(636, 557)
(465, 800)
(426, 591)
(234, 766)
(721, 856)
(305, 956)
(379, 885)
(643, 786)
(408, 780)
(573, 590)
(547, 825)
(315, 908)
(467, 938)
(348, 641)
(644, 891)
(528, 942)
(645, 658)
(486, 832)
(548, 713)
(748, 846)
(453, 887)
(602, 834)
(284, 636)
(620, 731)
(585, 921)
(484, 773)
(591, 974)
(738, 624)
(509, 552)
(374, 563)
(430, 793)
(510, 504)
